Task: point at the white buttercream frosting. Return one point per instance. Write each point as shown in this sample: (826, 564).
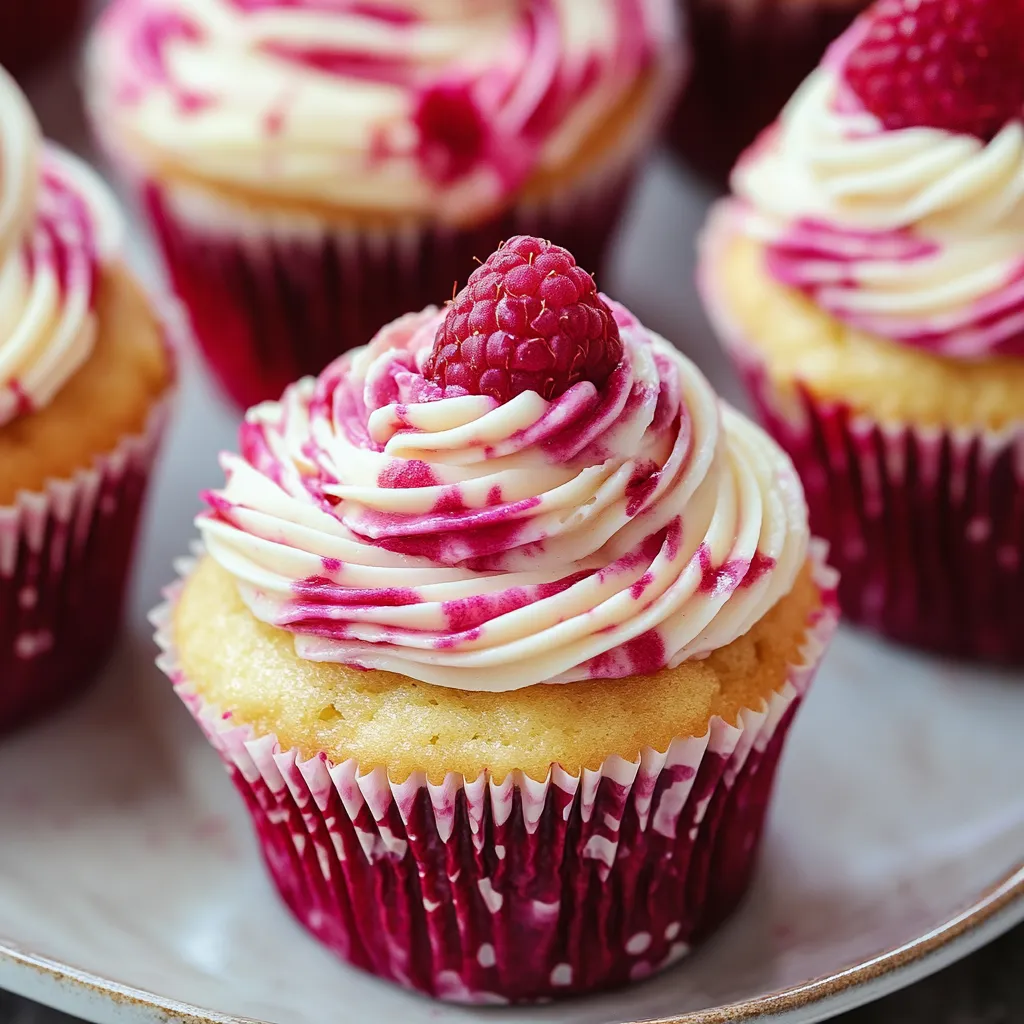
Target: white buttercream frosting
(490, 547)
(57, 226)
(915, 235)
(440, 107)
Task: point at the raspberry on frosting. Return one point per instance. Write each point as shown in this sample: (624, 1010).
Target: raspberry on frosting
(529, 319)
(956, 65)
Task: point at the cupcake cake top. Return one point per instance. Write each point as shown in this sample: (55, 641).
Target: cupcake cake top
(525, 487)
(440, 107)
(57, 226)
(891, 191)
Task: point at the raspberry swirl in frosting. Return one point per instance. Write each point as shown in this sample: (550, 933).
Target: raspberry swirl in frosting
(440, 107)
(914, 235)
(488, 546)
(56, 225)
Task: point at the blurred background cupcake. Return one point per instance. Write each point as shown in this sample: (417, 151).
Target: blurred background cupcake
(83, 374)
(314, 172)
(868, 277)
(748, 57)
(526, 488)
(33, 30)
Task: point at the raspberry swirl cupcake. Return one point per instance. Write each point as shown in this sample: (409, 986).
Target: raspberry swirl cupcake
(33, 30)
(83, 371)
(315, 170)
(748, 58)
(500, 627)
(868, 276)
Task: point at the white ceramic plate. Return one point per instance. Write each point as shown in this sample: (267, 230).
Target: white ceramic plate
(131, 889)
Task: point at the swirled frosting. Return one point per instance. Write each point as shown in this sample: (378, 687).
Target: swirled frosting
(491, 547)
(444, 107)
(916, 235)
(56, 225)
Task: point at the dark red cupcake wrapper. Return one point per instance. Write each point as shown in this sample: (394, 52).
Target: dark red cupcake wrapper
(64, 558)
(481, 891)
(32, 30)
(749, 58)
(926, 524)
(272, 300)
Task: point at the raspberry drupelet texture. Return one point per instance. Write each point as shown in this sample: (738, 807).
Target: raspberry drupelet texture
(956, 65)
(529, 319)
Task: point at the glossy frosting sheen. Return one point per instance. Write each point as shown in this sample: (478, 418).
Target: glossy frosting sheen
(439, 106)
(56, 226)
(489, 547)
(916, 235)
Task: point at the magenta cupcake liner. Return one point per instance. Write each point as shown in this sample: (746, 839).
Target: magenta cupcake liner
(64, 558)
(32, 30)
(926, 524)
(749, 58)
(272, 299)
(487, 891)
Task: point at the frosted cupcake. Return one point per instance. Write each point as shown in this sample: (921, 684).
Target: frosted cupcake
(83, 370)
(500, 628)
(315, 171)
(868, 276)
(33, 30)
(748, 57)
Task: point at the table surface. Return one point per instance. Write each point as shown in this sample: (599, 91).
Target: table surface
(985, 988)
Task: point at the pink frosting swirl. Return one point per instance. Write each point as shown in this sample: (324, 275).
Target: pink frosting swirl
(915, 236)
(485, 546)
(58, 227)
(402, 104)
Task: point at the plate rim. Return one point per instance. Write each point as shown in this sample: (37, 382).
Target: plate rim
(1000, 906)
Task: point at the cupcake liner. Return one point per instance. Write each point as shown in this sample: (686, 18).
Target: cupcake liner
(32, 30)
(926, 524)
(488, 891)
(273, 298)
(64, 559)
(749, 59)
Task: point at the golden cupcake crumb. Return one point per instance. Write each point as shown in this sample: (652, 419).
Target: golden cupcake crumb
(108, 399)
(240, 664)
(889, 382)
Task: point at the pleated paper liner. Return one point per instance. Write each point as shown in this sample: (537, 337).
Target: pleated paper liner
(515, 890)
(925, 524)
(272, 300)
(749, 58)
(65, 554)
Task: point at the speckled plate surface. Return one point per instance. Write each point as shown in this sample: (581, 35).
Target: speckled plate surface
(131, 889)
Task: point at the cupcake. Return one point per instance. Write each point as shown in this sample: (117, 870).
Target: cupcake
(749, 56)
(83, 371)
(33, 30)
(500, 627)
(868, 278)
(313, 171)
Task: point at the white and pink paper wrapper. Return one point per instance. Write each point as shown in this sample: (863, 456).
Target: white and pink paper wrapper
(274, 298)
(925, 524)
(488, 891)
(65, 554)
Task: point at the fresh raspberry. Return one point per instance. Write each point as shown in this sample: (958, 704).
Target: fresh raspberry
(528, 319)
(957, 65)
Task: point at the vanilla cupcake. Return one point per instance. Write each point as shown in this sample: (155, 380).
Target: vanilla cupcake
(83, 371)
(868, 277)
(500, 627)
(313, 172)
